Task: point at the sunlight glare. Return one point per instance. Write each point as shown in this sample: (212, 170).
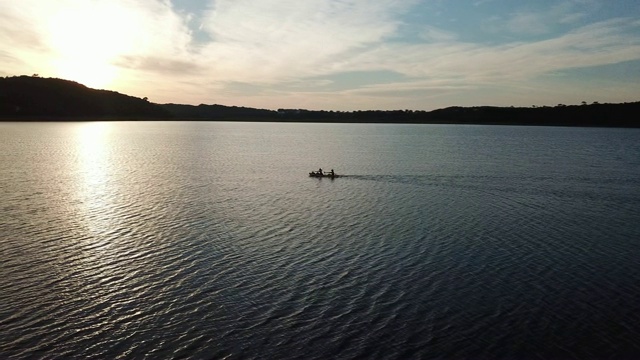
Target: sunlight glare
(94, 185)
(93, 152)
(88, 38)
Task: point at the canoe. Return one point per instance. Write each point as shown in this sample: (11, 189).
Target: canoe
(325, 175)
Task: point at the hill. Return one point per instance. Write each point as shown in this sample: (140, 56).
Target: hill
(28, 98)
(31, 97)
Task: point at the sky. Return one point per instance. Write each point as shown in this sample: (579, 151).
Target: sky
(332, 54)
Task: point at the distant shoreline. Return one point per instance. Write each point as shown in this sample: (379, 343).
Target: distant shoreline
(35, 99)
(306, 121)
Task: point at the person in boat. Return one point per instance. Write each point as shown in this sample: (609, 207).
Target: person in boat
(320, 172)
(332, 173)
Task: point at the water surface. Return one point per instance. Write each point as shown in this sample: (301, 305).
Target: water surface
(208, 240)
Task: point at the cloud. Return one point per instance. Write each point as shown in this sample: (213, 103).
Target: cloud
(291, 38)
(96, 41)
(434, 34)
(429, 69)
(481, 2)
(160, 65)
(528, 23)
(20, 38)
(439, 70)
(49, 25)
(537, 22)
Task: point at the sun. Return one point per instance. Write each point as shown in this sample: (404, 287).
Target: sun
(90, 72)
(88, 38)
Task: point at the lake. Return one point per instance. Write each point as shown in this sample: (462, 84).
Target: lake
(208, 240)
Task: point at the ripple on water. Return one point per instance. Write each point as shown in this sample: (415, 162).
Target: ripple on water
(162, 256)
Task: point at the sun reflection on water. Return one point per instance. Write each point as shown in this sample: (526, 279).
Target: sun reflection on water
(104, 237)
(94, 183)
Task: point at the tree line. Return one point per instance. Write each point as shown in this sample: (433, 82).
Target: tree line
(35, 98)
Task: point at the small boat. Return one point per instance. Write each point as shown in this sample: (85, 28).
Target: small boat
(323, 175)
